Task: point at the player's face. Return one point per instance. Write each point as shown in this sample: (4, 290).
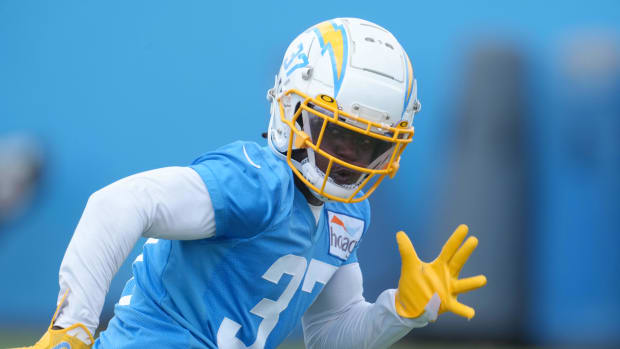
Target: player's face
(347, 145)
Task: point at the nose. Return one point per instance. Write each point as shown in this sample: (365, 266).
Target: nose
(345, 148)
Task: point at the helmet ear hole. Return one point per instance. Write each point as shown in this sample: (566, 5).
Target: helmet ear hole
(299, 154)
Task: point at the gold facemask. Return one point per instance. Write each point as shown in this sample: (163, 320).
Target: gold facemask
(372, 149)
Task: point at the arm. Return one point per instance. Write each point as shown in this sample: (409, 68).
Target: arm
(169, 203)
(341, 318)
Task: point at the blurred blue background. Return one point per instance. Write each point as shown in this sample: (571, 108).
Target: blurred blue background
(518, 137)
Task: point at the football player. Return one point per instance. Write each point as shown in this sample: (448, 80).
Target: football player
(248, 241)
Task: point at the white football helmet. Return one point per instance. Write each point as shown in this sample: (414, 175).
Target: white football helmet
(342, 108)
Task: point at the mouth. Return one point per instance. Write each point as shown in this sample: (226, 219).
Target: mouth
(342, 175)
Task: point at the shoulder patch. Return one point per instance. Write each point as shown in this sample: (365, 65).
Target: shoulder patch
(344, 234)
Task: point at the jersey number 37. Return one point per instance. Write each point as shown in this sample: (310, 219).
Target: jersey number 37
(269, 310)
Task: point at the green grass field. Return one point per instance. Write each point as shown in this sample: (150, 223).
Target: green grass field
(17, 338)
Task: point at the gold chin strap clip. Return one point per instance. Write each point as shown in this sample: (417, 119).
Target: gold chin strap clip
(394, 168)
(300, 140)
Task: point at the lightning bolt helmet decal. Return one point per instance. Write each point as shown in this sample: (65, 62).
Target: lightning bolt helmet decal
(333, 39)
(409, 85)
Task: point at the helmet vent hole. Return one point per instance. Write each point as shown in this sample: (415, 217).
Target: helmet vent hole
(389, 45)
(369, 39)
(379, 73)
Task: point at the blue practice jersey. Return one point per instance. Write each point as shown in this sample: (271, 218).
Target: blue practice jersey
(250, 284)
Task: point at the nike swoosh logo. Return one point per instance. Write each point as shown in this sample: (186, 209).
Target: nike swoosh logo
(249, 160)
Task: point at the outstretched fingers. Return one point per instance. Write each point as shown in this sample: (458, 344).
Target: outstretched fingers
(469, 284)
(407, 253)
(453, 243)
(462, 255)
(462, 310)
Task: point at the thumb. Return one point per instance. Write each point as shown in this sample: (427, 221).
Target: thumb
(407, 252)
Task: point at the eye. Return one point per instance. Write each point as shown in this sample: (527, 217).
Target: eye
(364, 142)
(333, 131)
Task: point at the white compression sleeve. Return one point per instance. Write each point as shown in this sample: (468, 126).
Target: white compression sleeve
(170, 203)
(341, 318)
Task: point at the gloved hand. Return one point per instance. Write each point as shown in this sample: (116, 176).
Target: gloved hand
(419, 281)
(66, 338)
(61, 339)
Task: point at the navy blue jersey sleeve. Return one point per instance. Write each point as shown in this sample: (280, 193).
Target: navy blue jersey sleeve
(246, 191)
